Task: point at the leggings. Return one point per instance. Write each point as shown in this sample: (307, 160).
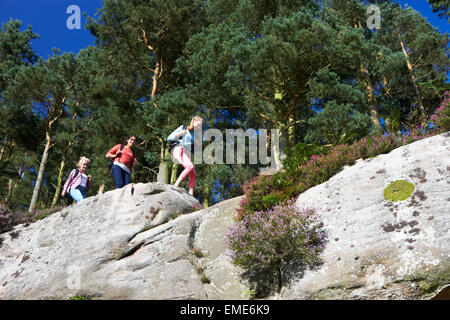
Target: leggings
(182, 157)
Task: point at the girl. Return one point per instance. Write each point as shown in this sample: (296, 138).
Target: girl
(78, 182)
(124, 161)
(181, 140)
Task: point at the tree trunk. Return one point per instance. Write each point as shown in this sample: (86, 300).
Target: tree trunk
(386, 87)
(101, 189)
(2, 149)
(163, 173)
(206, 196)
(413, 78)
(40, 176)
(280, 277)
(277, 146)
(374, 114)
(11, 186)
(10, 149)
(59, 181)
(291, 131)
(174, 176)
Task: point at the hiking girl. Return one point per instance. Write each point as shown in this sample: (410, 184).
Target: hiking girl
(78, 182)
(123, 160)
(181, 142)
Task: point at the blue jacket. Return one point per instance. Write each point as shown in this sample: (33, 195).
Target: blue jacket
(186, 140)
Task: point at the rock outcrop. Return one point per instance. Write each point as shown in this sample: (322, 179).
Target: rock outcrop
(378, 248)
(133, 243)
(144, 242)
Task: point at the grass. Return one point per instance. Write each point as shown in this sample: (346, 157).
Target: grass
(199, 253)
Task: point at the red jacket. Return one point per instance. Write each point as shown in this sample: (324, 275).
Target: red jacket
(126, 157)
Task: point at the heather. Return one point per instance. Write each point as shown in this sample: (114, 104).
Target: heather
(263, 192)
(268, 243)
(9, 218)
(441, 117)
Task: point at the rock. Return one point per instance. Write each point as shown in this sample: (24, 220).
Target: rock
(379, 249)
(85, 243)
(133, 243)
(210, 237)
(141, 242)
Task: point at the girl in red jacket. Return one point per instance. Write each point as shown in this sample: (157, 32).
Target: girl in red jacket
(124, 161)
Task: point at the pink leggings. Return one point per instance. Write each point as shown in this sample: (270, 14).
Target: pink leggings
(182, 157)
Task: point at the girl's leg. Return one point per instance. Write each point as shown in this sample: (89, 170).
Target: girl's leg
(117, 173)
(83, 191)
(189, 170)
(76, 194)
(126, 178)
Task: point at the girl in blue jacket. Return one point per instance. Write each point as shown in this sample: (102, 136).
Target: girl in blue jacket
(181, 140)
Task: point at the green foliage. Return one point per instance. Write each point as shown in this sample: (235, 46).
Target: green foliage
(338, 124)
(263, 192)
(301, 154)
(240, 64)
(441, 116)
(440, 6)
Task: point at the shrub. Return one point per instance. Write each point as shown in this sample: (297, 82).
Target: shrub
(371, 146)
(263, 192)
(268, 242)
(301, 154)
(441, 116)
(6, 220)
(254, 190)
(9, 219)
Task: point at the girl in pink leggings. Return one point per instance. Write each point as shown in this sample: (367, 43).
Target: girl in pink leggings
(181, 140)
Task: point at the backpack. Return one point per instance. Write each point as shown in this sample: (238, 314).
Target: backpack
(173, 144)
(111, 162)
(77, 172)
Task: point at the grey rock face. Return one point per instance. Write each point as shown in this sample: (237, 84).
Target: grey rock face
(133, 243)
(141, 242)
(86, 244)
(379, 249)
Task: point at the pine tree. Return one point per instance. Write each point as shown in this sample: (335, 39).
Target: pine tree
(47, 86)
(440, 6)
(18, 125)
(425, 59)
(147, 37)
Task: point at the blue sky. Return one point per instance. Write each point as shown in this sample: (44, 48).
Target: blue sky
(48, 19)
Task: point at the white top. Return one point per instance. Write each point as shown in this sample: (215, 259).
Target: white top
(83, 182)
(124, 167)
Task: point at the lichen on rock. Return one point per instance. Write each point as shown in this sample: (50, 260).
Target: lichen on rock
(398, 190)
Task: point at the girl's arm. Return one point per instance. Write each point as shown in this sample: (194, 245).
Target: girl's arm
(176, 134)
(68, 181)
(88, 183)
(111, 154)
